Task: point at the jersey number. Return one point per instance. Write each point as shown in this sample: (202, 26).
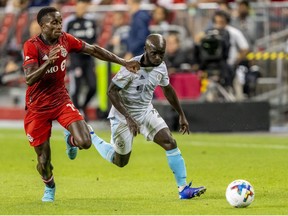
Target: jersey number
(73, 107)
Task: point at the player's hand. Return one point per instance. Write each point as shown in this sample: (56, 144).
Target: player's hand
(133, 126)
(184, 125)
(53, 54)
(132, 65)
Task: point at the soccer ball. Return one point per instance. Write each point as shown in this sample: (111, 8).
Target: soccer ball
(240, 193)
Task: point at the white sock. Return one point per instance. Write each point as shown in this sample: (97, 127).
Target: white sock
(180, 188)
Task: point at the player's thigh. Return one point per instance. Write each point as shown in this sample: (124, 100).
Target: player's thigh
(80, 131)
(37, 127)
(152, 124)
(121, 137)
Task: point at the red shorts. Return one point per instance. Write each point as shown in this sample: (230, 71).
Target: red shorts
(38, 125)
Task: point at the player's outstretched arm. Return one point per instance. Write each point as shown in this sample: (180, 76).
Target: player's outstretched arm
(105, 55)
(172, 98)
(116, 100)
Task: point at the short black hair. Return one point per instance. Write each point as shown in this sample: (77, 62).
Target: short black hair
(44, 11)
(223, 14)
(244, 2)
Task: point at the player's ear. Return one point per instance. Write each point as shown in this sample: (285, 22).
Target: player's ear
(41, 23)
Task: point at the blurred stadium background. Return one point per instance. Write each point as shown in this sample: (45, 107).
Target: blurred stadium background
(265, 109)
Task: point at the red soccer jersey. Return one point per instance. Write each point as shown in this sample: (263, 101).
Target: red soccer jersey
(50, 91)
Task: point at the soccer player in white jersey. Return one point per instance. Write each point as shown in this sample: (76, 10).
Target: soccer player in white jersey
(133, 113)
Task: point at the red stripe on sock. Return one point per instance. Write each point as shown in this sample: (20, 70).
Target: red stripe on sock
(72, 141)
(49, 180)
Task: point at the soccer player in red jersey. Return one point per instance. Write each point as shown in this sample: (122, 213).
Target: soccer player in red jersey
(47, 98)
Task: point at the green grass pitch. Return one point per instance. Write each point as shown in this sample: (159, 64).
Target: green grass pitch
(90, 185)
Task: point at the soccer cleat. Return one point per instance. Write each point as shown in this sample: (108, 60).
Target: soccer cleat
(70, 150)
(189, 192)
(49, 194)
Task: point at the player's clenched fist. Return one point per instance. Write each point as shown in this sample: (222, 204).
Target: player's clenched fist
(53, 54)
(184, 125)
(132, 65)
(133, 126)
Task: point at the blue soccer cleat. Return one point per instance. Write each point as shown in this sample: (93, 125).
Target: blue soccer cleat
(70, 150)
(189, 192)
(49, 194)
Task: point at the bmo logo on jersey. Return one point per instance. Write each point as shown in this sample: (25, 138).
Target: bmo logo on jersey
(55, 68)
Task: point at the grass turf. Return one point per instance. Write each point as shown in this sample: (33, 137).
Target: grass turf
(90, 185)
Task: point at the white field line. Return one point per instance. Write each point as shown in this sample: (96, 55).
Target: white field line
(192, 143)
(239, 145)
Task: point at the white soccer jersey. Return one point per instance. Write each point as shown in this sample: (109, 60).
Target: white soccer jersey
(137, 89)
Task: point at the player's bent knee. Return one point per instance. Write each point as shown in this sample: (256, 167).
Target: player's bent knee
(121, 163)
(170, 141)
(121, 160)
(169, 144)
(84, 143)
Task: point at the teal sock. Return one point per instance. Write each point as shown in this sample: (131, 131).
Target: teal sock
(105, 149)
(177, 165)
